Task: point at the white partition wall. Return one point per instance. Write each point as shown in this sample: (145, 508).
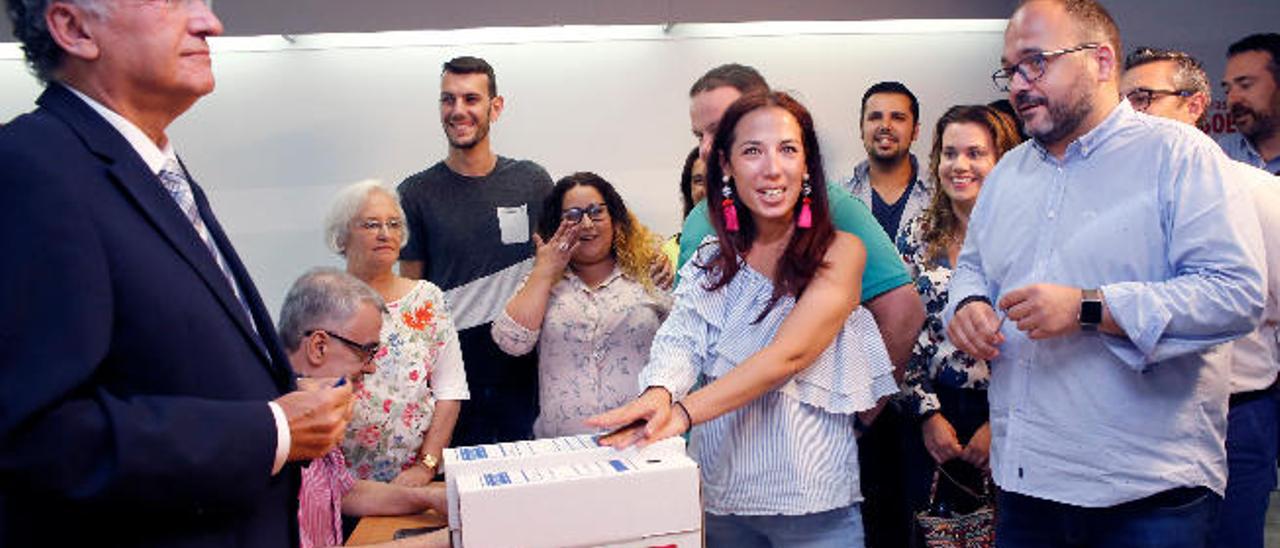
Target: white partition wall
(291, 122)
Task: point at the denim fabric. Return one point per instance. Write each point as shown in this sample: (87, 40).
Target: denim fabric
(839, 528)
(1030, 522)
(1252, 439)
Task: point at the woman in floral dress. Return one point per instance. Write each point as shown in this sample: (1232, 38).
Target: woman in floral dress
(944, 388)
(406, 410)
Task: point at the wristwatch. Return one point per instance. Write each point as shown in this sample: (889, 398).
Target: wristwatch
(1090, 309)
(429, 462)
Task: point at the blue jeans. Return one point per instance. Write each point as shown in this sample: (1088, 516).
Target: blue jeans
(839, 528)
(1178, 518)
(1252, 437)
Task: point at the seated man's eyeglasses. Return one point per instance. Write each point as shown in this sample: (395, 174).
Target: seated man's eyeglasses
(597, 212)
(1141, 98)
(365, 351)
(1032, 67)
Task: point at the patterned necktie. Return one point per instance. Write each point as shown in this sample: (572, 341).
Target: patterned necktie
(174, 179)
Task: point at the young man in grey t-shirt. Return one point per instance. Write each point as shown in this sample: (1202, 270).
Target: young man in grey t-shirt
(471, 217)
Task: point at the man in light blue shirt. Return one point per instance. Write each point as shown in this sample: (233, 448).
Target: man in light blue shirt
(1121, 259)
(1252, 85)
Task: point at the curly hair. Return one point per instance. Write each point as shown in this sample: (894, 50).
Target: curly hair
(940, 225)
(635, 247)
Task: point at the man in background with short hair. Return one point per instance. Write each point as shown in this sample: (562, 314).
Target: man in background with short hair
(1252, 85)
(888, 181)
(1173, 85)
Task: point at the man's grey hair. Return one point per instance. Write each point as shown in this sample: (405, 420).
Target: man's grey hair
(337, 225)
(44, 56)
(1189, 76)
(323, 298)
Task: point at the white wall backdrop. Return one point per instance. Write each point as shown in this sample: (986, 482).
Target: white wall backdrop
(287, 127)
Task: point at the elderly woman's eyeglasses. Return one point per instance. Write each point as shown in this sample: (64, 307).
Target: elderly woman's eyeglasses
(597, 212)
(374, 225)
(365, 351)
(1141, 98)
(1032, 67)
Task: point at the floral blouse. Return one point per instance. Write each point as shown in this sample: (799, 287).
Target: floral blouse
(419, 362)
(591, 348)
(934, 360)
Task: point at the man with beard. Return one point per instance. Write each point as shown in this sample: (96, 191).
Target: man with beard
(1120, 258)
(888, 181)
(470, 220)
(1173, 85)
(1252, 84)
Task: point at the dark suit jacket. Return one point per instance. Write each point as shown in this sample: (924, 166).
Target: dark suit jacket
(133, 388)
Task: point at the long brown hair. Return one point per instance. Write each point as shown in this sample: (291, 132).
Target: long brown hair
(940, 222)
(804, 253)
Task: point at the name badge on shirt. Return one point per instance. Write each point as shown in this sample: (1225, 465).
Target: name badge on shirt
(513, 222)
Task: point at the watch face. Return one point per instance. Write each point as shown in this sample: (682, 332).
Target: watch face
(1091, 312)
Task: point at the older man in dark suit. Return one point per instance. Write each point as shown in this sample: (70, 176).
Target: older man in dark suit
(144, 397)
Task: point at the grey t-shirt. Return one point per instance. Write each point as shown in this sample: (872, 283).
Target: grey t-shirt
(473, 235)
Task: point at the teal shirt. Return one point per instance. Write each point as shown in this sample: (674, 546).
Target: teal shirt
(884, 269)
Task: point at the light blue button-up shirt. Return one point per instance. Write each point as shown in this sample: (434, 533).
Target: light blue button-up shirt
(1139, 207)
(1238, 147)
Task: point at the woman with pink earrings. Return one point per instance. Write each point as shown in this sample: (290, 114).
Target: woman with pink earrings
(767, 318)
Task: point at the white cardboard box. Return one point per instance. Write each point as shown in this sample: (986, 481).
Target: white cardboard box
(562, 492)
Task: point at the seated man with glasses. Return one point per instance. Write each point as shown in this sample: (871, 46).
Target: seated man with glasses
(325, 306)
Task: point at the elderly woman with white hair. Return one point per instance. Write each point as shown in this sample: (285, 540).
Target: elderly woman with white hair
(406, 410)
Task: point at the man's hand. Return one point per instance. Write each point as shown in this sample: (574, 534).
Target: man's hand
(1044, 311)
(940, 439)
(974, 330)
(978, 451)
(661, 271)
(317, 420)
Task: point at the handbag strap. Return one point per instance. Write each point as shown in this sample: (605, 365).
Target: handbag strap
(933, 491)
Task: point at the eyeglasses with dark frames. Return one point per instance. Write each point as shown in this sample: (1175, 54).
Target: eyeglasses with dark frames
(1141, 98)
(1032, 67)
(365, 351)
(597, 212)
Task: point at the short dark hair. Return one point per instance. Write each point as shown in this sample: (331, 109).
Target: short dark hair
(1094, 22)
(467, 64)
(891, 87)
(740, 77)
(1190, 75)
(1268, 42)
(43, 54)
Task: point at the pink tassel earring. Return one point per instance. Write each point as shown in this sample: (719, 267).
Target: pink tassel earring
(730, 212)
(805, 220)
